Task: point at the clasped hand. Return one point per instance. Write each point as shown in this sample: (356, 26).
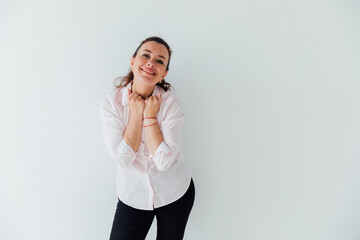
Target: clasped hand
(144, 108)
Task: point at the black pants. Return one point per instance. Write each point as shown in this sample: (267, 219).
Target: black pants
(134, 224)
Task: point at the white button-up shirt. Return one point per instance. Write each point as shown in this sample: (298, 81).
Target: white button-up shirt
(146, 181)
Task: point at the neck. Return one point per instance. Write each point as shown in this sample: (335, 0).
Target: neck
(142, 90)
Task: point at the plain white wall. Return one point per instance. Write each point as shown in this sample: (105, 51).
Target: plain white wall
(271, 95)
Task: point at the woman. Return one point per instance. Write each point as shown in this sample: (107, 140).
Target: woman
(142, 123)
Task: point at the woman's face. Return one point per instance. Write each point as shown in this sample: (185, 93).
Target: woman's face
(149, 65)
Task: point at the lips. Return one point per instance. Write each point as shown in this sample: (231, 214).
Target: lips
(148, 71)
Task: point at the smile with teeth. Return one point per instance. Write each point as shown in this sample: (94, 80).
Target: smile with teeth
(146, 71)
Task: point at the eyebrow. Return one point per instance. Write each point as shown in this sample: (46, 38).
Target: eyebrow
(150, 52)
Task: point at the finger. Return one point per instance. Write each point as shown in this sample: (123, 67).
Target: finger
(131, 96)
(134, 96)
(160, 97)
(129, 91)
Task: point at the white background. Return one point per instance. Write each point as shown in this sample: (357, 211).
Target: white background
(271, 95)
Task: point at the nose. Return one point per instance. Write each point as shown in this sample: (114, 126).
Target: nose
(150, 63)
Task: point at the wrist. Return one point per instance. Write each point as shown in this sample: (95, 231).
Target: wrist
(150, 124)
(136, 116)
(149, 121)
(149, 114)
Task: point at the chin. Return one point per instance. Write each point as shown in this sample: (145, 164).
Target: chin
(147, 81)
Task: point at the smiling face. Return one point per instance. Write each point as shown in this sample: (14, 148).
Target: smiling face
(149, 65)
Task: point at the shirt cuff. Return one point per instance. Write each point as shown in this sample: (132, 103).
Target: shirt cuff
(126, 152)
(161, 148)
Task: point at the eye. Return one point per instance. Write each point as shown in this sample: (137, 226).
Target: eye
(160, 61)
(145, 55)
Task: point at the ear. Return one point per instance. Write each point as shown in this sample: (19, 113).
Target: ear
(164, 75)
(132, 62)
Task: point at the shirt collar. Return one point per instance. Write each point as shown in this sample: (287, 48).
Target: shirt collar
(125, 93)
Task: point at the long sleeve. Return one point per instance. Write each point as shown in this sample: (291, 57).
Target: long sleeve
(171, 129)
(113, 131)
(145, 181)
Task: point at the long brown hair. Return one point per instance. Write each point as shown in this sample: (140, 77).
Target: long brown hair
(125, 80)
